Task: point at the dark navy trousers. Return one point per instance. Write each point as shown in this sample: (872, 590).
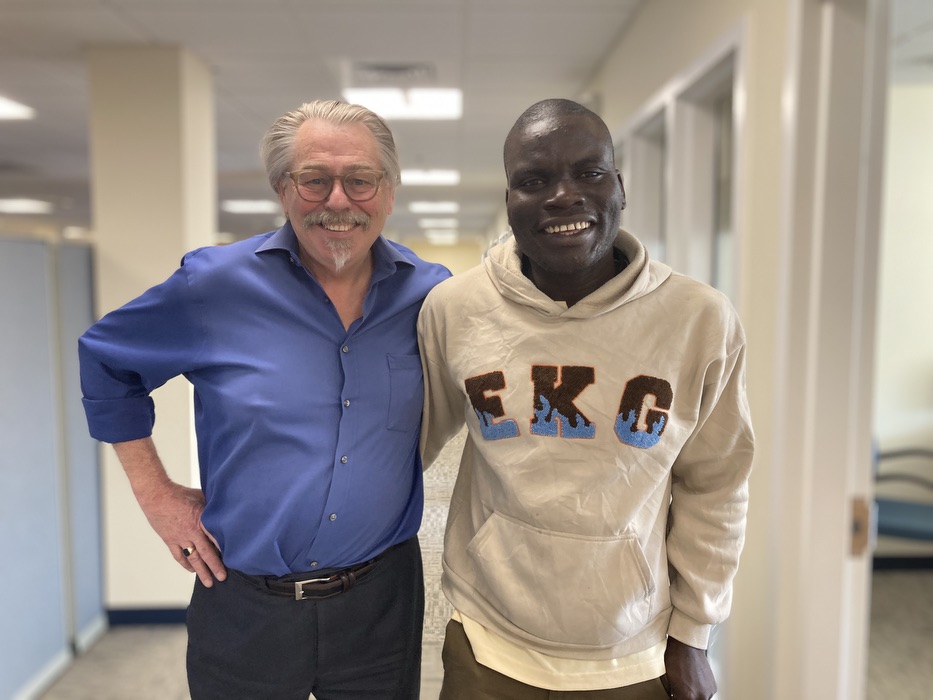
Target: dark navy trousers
(244, 642)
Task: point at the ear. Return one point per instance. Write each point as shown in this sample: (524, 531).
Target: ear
(281, 192)
(622, 187)
(390, 201)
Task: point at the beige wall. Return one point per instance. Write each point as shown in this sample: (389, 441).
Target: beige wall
(667, 37)
(903, 411)
(904, 362)
(456, 258)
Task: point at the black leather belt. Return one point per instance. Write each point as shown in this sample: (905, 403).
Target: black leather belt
(323, 586)
(327, 585)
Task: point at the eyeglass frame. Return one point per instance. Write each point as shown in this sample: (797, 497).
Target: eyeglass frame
(293, 176)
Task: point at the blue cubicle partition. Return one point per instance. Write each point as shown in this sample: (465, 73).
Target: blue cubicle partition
(51, 590)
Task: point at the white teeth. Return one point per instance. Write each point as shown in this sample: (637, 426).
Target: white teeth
(339, 228)
(567, 228)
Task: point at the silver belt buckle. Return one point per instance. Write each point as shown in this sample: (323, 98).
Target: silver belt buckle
(299, 593)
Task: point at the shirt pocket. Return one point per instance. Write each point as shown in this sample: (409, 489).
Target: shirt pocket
(406, 392)
(561, 587)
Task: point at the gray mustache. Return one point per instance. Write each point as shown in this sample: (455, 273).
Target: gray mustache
(330, 219)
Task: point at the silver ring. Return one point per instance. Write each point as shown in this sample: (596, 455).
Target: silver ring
(187, 551)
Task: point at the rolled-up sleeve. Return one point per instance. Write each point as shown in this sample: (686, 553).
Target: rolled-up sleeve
(134, 350)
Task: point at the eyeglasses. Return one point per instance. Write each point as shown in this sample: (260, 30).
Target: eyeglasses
(316, 185)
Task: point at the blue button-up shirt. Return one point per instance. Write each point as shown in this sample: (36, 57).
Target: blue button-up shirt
(307, 432)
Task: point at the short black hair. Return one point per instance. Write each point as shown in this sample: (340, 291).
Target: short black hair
(551, 108)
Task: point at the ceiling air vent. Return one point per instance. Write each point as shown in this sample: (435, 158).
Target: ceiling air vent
(9, 167)
(403, 75)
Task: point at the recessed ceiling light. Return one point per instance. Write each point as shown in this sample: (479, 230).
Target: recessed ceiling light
(430, 177)
(14, 110)
(415, 103)
(74, 233)
(442, 237)
(433, 207)
(24, 206)
(438, 223)
(250, 206)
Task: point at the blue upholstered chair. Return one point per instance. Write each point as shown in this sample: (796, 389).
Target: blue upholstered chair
(901, 518)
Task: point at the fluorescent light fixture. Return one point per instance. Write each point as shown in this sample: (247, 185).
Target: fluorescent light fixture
(415, 103)
(74, 233)
(430, 177)
(251, 206)
(442, 237)
(24, 206)
(14, 110)
(438, 223)
(433, 207)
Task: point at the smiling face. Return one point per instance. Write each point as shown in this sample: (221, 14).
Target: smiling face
(564, 202)
(335, 235)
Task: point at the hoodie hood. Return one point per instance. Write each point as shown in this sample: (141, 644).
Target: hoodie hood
(503, 264)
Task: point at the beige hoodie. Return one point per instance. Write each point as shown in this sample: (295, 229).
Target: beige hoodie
(602, 492)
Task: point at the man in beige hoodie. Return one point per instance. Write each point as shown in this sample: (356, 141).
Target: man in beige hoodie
(598, 517)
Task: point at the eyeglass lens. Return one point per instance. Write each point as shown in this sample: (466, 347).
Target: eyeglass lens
(315, 185)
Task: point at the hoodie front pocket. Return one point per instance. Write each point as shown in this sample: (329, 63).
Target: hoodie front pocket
(563, 587)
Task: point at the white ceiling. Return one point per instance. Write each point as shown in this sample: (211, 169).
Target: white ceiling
(268, 56)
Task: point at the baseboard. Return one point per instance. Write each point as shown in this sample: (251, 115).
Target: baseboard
(46, 676)
(902, 563)
(147, 616)
(87, 637)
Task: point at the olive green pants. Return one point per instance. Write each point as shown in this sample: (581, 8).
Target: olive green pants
(465, 679)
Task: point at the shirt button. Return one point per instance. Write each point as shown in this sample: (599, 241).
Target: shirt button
(346, 402)
(314, 565)
(345, 348)
(344, 459)
(333, 517)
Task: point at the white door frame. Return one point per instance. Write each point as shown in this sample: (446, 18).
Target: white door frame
(835, 93)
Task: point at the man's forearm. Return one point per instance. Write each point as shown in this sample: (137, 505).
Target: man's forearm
(143, 468)
(173, 510)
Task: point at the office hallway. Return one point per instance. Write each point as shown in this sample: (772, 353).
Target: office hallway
(148, 662)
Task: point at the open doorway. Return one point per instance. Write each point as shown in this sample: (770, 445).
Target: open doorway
(900, 661)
